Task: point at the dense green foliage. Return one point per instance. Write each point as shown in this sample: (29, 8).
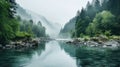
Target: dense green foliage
(13, 27)
(32, 29)
(8, 24)
(99, 18)
(103, 22)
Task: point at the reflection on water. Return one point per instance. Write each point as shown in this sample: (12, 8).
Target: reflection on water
(53, 56)
(59, 54)
(17, 58)
(98, 57)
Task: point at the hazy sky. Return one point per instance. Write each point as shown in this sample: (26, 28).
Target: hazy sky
(57, 11)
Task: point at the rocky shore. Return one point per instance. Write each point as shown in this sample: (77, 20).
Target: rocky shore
(21, 44)
(25, 43)
(96, 42)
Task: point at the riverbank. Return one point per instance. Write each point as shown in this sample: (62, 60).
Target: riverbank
(101, 41)
(21, 44)
(24, 43)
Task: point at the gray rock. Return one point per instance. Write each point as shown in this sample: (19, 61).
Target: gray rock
(111, 43)
(8, 46)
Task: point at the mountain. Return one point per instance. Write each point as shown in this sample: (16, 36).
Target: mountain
(22, 13)
(68, 28)
(52, 29)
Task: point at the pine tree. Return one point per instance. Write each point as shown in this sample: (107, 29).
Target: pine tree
(90, 10)
(97, 6)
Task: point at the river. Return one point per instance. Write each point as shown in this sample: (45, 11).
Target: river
(60, 54)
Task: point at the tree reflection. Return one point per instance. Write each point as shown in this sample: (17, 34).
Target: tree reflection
(97, 57)
(14, 58)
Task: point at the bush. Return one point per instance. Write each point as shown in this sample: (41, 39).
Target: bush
(22, 35)
(107, 33)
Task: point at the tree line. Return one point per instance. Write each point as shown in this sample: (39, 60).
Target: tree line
(99, 17)
(13, 28)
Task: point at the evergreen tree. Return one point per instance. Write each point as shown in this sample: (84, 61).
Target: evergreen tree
(96, 20)
(12, 9)
(90, 10)
(82, 22)
(8, 24)
(114, 6)
(97, 6)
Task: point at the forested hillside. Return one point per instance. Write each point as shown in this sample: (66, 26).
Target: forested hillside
(12, 27)
(69, 28)
(99, 17)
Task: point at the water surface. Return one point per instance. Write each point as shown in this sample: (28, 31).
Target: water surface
(60, 54)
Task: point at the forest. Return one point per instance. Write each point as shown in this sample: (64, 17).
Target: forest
(35, 37)
(99, 17)
(12, 27)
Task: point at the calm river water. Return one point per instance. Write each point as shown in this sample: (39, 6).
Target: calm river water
(59, 54)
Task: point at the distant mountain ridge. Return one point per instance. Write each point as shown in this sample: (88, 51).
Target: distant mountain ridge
(52, 29)
(22, 13)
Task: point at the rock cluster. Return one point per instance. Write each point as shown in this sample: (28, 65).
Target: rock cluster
(96, 42)
(21, 44)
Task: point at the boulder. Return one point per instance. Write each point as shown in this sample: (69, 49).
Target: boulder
(111, 43)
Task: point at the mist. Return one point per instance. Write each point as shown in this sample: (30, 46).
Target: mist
(52, 14)
(57, 11)
(59, 33)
